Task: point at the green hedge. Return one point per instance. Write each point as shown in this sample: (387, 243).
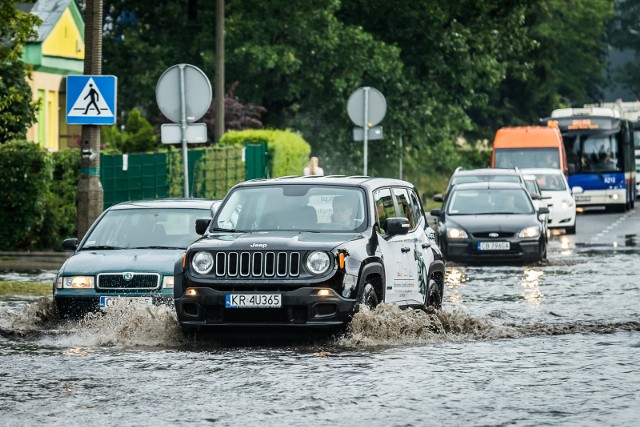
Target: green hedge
(24, 187)
(288, 151)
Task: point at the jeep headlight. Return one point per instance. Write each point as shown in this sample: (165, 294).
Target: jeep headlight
(202, 262)
(318, 262)
(456, 233)
(530, 232)
(75, 282)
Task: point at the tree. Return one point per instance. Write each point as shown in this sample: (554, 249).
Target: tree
(624, 33)
(17, 111)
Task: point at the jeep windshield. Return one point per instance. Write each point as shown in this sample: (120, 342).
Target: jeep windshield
(302, 207)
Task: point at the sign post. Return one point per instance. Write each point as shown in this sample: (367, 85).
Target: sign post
(366, 108)
(185, 105)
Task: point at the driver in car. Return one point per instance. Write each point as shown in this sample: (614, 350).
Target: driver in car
(342, 212)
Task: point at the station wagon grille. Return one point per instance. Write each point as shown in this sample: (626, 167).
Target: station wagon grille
(128, 281)
(500, 235)
(257, 264)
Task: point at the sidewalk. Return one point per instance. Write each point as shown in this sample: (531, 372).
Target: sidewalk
(29, 261)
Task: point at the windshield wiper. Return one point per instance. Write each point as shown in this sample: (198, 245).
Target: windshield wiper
(102, 247)
(228, 230)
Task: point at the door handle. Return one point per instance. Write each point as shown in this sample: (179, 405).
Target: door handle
(404, 250)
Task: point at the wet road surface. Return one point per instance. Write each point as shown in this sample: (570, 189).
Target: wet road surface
(554, 343)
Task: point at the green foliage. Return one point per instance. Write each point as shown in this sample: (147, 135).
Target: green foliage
(137, 137)
(17, 111)
(624, 33)
(24, 186)
(60, 210)
(16, 29)
(219, 169)
(288, 151)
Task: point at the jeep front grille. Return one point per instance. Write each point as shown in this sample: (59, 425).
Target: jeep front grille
(257, 264)
(117, 281)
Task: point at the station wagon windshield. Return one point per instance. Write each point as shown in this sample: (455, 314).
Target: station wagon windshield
(301, 207)
(489, 202)
(165, 228)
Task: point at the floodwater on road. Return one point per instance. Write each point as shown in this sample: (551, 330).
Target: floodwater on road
(555, 343)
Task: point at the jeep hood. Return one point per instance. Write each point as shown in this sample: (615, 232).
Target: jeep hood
(132, 260)
(274, 240)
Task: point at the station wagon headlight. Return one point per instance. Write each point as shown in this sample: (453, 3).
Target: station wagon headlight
(456, 233)
(202, 262)
(566, 204)
(167, 282)
(530, 232)
(75, 282)
(318, 262)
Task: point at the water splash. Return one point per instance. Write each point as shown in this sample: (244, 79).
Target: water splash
(389, 325)
(30, 320)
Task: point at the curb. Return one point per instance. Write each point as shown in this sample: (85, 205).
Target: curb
(30, 261)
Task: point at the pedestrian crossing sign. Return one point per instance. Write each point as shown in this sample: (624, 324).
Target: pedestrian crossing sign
(91, 100)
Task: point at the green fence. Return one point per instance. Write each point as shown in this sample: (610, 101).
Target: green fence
(212, 172)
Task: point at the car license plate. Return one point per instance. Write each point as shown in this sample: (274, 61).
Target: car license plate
(582, 198)
(253, 301)
(493, 246)
(106, 302)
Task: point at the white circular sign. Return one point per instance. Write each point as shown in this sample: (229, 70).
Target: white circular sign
(197, 93)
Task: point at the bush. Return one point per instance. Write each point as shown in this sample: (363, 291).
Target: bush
(137, 137)
(288, 151)
(24, 186)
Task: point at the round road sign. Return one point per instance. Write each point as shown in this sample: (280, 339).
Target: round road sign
(377, 106)
(197, 93)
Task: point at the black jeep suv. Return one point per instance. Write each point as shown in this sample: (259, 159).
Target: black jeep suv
(307, 251)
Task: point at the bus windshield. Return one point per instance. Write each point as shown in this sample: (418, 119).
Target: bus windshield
(527, 157)
(593, 153)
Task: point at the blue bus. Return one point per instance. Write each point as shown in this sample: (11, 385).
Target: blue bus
(600, 156)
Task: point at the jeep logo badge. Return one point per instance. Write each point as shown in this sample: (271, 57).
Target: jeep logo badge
(258, 245)
(127, 276)
(493, 234)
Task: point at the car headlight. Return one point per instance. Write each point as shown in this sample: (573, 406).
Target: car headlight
(566, 204)
(532, 231)
(202, 262)
(318, 262)
(75, 282)
(167, 282)
(456, 233)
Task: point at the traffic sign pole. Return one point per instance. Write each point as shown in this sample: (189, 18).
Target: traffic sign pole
(366, 128)
(183, 131)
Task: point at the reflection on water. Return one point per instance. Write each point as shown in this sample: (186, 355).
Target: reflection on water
(455, 277)
(531, 286)
(565, 245)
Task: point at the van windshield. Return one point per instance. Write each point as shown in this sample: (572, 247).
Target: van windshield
(527, 158)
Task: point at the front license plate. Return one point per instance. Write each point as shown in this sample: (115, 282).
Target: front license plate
(583, 198)
(253, 301)
(106, 302)
(493, 246)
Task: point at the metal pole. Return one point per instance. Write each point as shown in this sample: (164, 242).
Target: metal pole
(219, 73)
(401, 153)
(366, 127)
(89, 196)
(183, 130)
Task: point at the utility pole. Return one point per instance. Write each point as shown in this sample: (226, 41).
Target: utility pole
(90, 193)
(219, 71)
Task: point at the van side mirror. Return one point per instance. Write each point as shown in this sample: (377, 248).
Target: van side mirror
(436, 212)
(542, 210)
(535, 196)
(396, 226)
(202, 225)
(437, 197)
(577, 190)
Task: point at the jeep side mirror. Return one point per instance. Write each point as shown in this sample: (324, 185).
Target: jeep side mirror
(396, 226)
(202, 225)
(437, 197)
(70, 244)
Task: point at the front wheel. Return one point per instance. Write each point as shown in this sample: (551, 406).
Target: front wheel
(368, 297)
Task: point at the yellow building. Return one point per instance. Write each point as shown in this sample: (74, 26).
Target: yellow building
(57, 53)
